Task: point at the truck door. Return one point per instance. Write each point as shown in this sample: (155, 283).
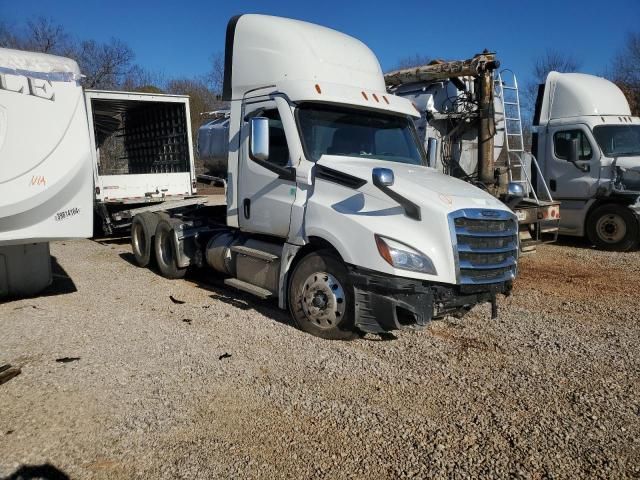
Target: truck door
(266, 189)
(566, 180)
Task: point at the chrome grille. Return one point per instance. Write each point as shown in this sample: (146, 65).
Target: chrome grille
(486, 245)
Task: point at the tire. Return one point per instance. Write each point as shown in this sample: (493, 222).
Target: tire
(165, 253)
(329, 312)
(613, 227)
(143, 229)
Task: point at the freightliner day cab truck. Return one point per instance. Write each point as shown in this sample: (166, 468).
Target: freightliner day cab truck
(330, 207)
(588, 146)
(471, 127)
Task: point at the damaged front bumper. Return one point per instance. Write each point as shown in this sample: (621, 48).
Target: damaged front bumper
(385, 302)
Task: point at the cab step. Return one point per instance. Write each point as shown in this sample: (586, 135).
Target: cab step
(249, 288)
(255, 253)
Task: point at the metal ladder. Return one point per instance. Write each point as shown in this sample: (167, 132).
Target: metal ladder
(514, 139)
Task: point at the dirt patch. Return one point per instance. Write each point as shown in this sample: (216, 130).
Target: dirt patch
(571, 277)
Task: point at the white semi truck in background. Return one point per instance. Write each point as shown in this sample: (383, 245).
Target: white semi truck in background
(471, 127)
(588, 147)
(330, 207)
(46, 177)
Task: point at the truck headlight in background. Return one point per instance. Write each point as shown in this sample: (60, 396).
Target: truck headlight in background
(402, 256)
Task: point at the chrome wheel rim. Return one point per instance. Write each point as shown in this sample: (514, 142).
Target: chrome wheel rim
(323, 300)
(611, 228)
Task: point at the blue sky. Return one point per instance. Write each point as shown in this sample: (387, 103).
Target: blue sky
(177, 38)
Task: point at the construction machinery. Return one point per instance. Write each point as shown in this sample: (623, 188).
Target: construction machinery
(470, 124)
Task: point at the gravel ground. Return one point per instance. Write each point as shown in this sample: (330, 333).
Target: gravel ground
(222, 386)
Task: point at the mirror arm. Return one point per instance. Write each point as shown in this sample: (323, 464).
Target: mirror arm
(411, 210)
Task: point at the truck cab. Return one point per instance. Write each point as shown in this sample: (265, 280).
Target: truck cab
(330, 205)
(588, 146)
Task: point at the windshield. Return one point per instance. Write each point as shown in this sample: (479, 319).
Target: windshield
(618, 140)
(349, 132)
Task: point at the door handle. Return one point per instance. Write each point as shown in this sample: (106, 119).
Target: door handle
(246, 206)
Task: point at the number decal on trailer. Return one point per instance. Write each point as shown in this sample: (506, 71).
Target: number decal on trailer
(63, 215)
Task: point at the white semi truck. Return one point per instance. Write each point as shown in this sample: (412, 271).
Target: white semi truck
(330, 207)
(45, 166)
(588, 147)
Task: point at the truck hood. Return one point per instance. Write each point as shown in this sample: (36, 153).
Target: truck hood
(421, 185)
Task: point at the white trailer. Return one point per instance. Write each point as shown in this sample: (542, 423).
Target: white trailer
(142, 154)
(330, 206)
(46, 178)
(588, 146)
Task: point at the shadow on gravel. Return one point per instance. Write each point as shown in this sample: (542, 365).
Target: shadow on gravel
(220, 292)
(575, 242)
(40, 472)
(129, 257)
(62, 283)
(112, 240)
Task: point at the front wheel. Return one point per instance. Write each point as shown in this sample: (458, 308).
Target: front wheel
(613, 227)
(321, 297)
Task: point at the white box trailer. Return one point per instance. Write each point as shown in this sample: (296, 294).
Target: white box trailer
(46, 178)
(142, 153)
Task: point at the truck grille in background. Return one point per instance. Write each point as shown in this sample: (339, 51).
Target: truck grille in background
(486, 245)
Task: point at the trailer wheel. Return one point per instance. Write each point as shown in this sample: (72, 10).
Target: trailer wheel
(613, 227)
(321, 297)
(164, 249)
(143, 229)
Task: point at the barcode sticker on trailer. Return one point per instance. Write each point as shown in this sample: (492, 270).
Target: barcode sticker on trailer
(63, 215)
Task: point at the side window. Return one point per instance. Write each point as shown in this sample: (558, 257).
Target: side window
(561, 141)
(278, 149)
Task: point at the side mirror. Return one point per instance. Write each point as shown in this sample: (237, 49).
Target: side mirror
(573, 150)
(515, 193)
(573, 155)
(259, 138)
(432, 149)
(382, 177)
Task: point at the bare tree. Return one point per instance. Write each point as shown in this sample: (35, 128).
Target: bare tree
(105, 65)
(215, 77)
(43, 35)
(40, 34)
(415, 60)
(139, 79)
(625, 71)
(8, 37)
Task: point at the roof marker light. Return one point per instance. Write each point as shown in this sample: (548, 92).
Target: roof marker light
(385, 99)
(375, 97)
(318, 88)
(365, 96)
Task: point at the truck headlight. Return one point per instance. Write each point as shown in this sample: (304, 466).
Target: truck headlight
(404, 257)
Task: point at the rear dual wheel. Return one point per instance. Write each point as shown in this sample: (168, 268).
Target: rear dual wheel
(165, 250)
(152, 242)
